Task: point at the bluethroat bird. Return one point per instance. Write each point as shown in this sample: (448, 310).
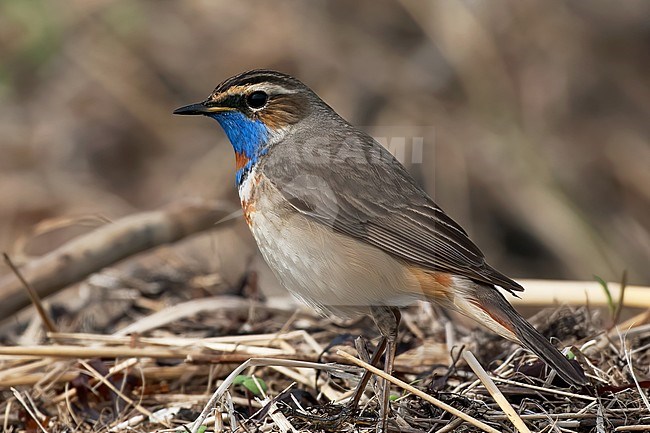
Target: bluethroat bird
(343, 225)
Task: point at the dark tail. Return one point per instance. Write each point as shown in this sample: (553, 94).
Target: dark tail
(499, 309)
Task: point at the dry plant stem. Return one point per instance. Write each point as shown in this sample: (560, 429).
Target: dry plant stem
(634, 326)
(91, 252)
(542, 389)
(5, 423)
(71, 392)
(131, 422)
(253, 339)
(422, 395)
(96, 352)
(192, 355)
(29, 410)
(628, 359)
(558, 416)
(634, 322)
(230, 407)
(278, 417)
(548, 292)
(452, 426)
(496, 394)
(464, 389)
(120, 394)
(23, 369)
(33, 295)
(158, 373)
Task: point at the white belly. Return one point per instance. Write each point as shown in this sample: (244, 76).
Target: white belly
(328, 271)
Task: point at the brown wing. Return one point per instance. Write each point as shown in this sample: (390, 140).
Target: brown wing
(358, 188)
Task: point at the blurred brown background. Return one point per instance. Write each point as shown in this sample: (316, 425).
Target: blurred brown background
(534, 114)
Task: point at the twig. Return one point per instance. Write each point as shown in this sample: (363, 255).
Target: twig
(228, 301)
(549, 292)
(553, 416)
(278, 417)
(29, 410)
(5, 423)
(124, 397)
(452, 426)
(95, 352)
(131, 422)
(33, 295)
(541, 388)
(68, 404)
(638, 320)
(494, 391)
(91, 252)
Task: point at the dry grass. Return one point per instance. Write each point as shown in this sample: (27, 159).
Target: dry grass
(164, 373)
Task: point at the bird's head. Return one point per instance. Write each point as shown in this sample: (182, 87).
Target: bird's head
(254, 109)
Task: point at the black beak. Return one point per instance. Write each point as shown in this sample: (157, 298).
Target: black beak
(206, 108)
(192, 110)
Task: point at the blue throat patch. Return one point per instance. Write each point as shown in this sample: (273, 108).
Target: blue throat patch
(248, 138)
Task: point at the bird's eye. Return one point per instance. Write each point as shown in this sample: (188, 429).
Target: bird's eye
(257, 99)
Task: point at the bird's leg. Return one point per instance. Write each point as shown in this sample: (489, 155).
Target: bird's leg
(361, 386)
(351, 406)
(387, 320)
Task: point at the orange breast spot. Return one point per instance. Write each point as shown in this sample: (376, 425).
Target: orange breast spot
(248, 206)
(433, 285)
(249, 197)
(240, 161)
